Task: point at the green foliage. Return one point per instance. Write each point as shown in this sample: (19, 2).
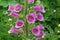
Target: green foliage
(52, 19)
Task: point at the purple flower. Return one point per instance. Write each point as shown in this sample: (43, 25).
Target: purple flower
(31, 17)
(14, 14)
(13, 30)
(35, 31)
(41, 27)
(11, 8)
(39, 7)
(41, 34)
(38, 38)
(39, 17)
(15, 8)
(19, 24)
(31, 1)
(18, 7)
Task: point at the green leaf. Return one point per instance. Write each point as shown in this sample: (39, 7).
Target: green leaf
(5, 3)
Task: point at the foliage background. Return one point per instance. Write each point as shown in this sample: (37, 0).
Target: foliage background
(52, 19)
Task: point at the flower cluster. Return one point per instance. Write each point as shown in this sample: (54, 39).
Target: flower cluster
(13, 12)
(39, 8)
(18, 25)
(31, 18)
(34, 16)
(38, 31)
(14, 9)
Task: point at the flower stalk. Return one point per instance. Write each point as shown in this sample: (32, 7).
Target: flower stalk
(26, 24)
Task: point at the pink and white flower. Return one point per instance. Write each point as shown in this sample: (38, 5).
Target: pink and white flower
(19, 24)
(39, 17)
(40, 27)
(38, 31)
(31, 17)
(18, 7)
(37, 38)
(13, 30)
(39, 7)
(35, 31)
(11, 8)
(14, 14)
(30, 1)
(15, 8)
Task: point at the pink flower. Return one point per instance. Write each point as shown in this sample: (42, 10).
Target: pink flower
(41, 27)
(18, 7)
(38, 38)
(14, 14)
(39, 7)
(15, 8)
(31, 1)
(11, 8)
(37, 32)
(39, 17)
(41, 34)
(19, 24)
(31, 18)
(13, 30)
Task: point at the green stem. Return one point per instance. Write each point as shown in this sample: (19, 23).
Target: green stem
(26, 24)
